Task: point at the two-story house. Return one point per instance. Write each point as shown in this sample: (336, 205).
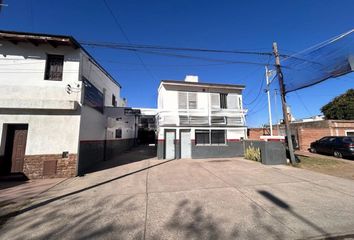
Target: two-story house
(54, 97)
(199, 120)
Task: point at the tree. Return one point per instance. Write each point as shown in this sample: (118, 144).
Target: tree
(341, 107)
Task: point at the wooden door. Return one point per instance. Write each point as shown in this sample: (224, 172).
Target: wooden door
(18, 149)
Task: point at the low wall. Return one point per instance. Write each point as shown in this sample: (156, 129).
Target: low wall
(49, 166)
(272, 153)
(231, 149)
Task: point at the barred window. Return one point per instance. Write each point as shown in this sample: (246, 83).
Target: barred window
(54, 67)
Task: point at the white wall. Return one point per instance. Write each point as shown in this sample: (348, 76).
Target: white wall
(100, 80)
(93, 124)
(22, 86)
(22, 69)
(117, 119)
(47, 134)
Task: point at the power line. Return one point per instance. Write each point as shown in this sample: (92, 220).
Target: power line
(303, 104)
(158, 47)
(127, 38)
(192, 57)
(259, 93)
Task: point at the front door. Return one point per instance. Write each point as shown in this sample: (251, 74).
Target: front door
(186, 144)
(18, 147)
(170, 137)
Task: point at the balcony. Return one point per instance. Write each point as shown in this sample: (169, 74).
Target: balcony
(197, 117)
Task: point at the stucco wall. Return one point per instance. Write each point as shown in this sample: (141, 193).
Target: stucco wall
(22, 68)
(48, 132)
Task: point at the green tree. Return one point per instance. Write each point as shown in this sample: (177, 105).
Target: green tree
(341, 107)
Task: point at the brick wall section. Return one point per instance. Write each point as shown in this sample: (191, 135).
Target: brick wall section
(308, 135)
(65, 167)
(307, 132)
(256, 133)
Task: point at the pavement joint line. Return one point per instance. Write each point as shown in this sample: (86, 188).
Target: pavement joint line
(146, 197)
(250, 199)
(316, 184)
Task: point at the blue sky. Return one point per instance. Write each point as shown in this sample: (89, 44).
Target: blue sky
(242, 25)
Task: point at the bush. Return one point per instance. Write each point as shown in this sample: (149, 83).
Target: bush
(253, 153)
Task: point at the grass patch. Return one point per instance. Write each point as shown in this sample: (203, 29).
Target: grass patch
(318, 162)
(327, 166)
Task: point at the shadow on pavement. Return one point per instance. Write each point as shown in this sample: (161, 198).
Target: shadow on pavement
(136, 154)
(280, 203)
(5, 217)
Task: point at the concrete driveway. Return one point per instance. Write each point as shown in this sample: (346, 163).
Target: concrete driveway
(189, 199)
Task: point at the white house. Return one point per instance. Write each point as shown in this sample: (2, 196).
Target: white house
(53, 100)
(199, 120)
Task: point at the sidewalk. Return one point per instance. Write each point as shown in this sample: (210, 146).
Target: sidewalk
(146, 198)
(15, 194)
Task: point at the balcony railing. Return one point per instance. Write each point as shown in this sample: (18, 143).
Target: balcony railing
(201, 117)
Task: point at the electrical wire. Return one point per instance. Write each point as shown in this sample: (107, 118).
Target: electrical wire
(303, 104)
(157, 47)
(127, 38)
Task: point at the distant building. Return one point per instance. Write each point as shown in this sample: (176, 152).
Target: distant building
(53, 107)
(199, 120)
(307, 130)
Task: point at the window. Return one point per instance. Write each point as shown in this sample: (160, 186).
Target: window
(114, 102)
(184, 120)
(234, 121)
(215, 100)
(218, 120)
(213, 137)
(187, 100)
(217, 136)
(232, 101)
(349, 133)
(202, 137)
(192, 100)
(92, 96)
(119, 133)
(54, 67)
(196, 120)
(223, 100)
(182, 100)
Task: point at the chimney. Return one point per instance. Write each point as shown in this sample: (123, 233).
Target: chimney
(191, 78)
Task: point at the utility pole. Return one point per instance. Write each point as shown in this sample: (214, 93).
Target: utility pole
(267, 73)
(283, 101)
(276, 111)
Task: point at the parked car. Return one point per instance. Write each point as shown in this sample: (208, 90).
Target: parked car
(336, 146)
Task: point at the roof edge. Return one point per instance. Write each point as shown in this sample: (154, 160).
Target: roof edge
(71, 39)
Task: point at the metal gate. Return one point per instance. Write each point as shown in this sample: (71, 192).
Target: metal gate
(170, 137)
(185, 144)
